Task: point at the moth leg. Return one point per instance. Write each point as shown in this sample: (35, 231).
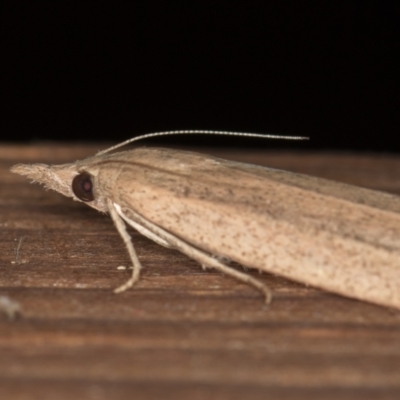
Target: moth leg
(141, 229)
(120, 225)
(205, 259)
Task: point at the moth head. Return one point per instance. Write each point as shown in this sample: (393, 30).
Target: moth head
(67, 179)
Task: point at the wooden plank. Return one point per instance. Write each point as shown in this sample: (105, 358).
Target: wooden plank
(182, 332)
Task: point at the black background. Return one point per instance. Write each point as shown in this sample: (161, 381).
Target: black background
(88, 71)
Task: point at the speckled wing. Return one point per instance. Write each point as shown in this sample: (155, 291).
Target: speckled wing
(338, 237)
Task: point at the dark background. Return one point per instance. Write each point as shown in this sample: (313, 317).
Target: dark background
(90, 71)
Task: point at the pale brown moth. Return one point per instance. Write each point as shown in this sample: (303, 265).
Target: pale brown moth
(338, 237)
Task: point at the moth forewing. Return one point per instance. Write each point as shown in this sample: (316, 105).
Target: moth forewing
(318, 232)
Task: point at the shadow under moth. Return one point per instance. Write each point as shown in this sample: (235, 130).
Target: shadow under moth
(337, 237)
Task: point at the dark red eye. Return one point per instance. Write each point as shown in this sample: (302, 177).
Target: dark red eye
(82, 186)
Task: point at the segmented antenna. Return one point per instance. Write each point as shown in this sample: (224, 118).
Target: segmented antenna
(201, 132)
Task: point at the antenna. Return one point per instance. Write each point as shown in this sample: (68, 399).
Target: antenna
(201, 132)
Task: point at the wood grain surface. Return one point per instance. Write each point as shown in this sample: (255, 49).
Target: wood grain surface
(182, 332)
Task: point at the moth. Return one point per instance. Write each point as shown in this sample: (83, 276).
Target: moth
(337, 237)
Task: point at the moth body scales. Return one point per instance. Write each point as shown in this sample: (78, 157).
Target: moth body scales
(337, 237)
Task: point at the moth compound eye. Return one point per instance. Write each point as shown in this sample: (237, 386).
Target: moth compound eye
(82, 186)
